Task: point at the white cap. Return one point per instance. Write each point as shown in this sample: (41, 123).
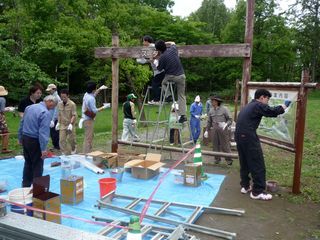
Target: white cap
(175, 106)
(197, 99)
(51, 87)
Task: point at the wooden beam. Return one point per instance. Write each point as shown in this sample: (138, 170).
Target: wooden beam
(115, 96)
(247, 62)
(219, 50)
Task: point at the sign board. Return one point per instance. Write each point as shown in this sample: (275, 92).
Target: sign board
(281, 128)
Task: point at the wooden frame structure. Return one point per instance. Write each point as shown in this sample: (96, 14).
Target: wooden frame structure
(222, 50)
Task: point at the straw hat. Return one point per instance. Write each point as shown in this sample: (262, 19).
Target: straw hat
(3, 91)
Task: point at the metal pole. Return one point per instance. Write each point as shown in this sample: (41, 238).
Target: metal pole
(299, 133)
(247, 62)
(115, 95)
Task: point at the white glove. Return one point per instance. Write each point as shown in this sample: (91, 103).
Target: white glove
(197, 116)
(69, 128)
(51, 124)
(106, 105)
(58, 126)
(206, 134)
(9, 109)
(103, 87)
(134, 121)
(81, 123)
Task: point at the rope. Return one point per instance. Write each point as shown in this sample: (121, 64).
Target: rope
(148, 202)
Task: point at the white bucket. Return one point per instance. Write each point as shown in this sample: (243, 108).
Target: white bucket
(21, 196)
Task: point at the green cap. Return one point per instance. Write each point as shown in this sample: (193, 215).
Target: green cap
(131, 96)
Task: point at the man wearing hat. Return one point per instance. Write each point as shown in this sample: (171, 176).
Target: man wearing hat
(219, 120)
(52, 90)
(195, 112)
(3, 124)
(129, 121)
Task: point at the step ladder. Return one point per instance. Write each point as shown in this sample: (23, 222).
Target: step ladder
(157, 135)
(166, 215)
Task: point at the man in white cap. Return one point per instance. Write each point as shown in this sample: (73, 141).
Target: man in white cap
(52, 90)
(195, 112)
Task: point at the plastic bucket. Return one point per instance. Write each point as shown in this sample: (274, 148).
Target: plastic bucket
(21, 196)
(107, 185)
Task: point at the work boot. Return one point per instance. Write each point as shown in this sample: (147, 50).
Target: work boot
(5, 143)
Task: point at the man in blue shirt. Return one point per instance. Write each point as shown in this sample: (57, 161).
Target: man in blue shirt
(34, 132)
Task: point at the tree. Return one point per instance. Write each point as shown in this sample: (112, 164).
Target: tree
(304, 15)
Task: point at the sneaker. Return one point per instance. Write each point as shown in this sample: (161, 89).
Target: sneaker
(246, 190)
(171, 144)
(182, 119)
(262, 196)
(151, 102)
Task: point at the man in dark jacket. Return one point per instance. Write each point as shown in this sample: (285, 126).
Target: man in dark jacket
(248, 144)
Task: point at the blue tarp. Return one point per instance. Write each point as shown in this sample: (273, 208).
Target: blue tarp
(11, 171)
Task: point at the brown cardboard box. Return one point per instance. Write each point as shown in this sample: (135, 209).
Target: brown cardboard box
(71, 189)
(145, 169)
(43, 199)
(105, 159)
(192, 175)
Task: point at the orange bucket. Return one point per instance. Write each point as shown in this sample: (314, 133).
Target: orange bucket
(107, 185)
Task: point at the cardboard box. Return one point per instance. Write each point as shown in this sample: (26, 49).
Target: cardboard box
(192, 175)
(105, 159)
(145, 169)
(43, 199)
(71, 189)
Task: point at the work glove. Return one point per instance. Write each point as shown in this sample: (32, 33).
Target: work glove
(51, 124)
(58, 126)
(197, 116)
(206, 134)
(81, 123)
(106, 105)
(103, 87)
(69, 128)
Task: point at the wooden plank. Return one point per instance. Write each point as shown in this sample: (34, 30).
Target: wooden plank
(219, 50)
(115, 96)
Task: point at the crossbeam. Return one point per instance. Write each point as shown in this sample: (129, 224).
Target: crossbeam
(217, 50)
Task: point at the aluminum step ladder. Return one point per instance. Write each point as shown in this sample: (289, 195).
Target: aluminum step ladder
(160, 214)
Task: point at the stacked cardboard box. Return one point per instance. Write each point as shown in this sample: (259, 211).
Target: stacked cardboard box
(145, 168)
(104, 159)
(71, 189)
(45, 200)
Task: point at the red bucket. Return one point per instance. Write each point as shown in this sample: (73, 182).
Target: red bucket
(107, 185)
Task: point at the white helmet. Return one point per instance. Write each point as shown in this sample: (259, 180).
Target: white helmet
(175, 106)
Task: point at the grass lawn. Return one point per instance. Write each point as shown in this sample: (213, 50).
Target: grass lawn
(280, 163)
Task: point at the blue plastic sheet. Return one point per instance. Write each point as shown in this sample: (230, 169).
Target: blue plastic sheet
(11, 171)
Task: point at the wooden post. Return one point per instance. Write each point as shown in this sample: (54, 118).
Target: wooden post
(299, 132)
(115, 96)
(236, 99)
(246, 68)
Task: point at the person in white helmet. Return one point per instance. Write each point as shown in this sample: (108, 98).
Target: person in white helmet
(174, 124)
(195, 113)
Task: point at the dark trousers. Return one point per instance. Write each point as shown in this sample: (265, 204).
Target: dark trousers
(251, 162)
(156, 83)
(33, 164)
(54, 134)
(174, 131)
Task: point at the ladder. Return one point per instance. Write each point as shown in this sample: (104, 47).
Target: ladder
(165, 214)
(162, 112)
